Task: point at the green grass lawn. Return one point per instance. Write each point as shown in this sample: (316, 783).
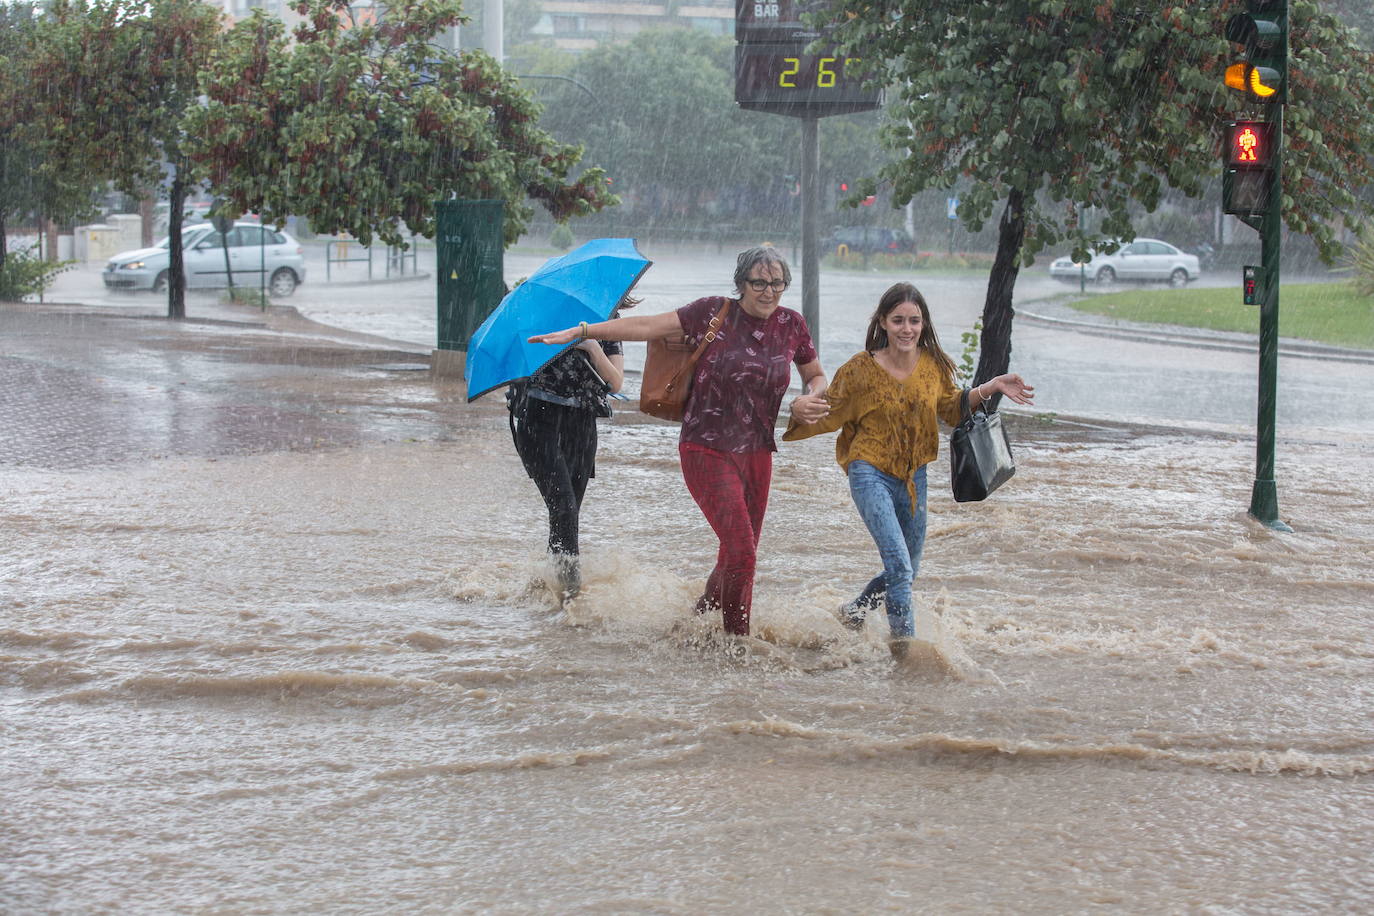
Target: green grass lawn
(1330, 313)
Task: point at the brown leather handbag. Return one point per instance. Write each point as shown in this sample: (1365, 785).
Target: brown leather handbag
(668, 369)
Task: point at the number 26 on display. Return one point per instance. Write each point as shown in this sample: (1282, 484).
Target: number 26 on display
(826, 74)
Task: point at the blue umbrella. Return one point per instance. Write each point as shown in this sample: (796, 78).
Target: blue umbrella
(586, 284)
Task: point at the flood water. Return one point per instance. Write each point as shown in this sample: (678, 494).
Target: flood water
(336, 681)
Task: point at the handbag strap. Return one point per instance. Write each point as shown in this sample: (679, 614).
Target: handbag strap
(965, 414)
(711, 328)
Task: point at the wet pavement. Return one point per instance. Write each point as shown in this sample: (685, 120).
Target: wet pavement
(103, 377)
(83, 386)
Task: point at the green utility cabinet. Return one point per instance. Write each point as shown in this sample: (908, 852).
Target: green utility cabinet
(470, 266)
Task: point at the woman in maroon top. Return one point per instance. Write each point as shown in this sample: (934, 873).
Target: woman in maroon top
(727, 441)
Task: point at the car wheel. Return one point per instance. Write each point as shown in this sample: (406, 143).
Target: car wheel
(283, 282)
(160, 284)
(1178, 278)
(1106, 277)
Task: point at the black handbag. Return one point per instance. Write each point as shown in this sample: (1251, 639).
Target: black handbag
(980, 457)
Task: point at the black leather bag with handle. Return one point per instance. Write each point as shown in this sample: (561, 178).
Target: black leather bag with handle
(980, 458)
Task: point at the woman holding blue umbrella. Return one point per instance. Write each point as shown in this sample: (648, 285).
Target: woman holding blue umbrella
(553, 423)
(555, 395)
(727, 440)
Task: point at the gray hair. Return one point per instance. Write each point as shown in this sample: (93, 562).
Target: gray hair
(763, 254)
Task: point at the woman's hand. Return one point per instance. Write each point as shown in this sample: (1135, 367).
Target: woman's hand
(1014, 387)
(810, 408)
(591, 346)
(557, 337)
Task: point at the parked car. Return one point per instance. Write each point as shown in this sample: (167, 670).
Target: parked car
(869, 240)
(1143, 260)
(255, 252)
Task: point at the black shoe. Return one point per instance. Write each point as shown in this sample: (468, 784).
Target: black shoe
(852, 615)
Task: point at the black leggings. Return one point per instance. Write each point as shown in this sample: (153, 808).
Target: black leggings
(557, 446)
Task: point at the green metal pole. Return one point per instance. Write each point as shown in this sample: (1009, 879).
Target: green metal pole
(1264, 497)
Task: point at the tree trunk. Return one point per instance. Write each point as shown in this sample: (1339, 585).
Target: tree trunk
(4, 242)
(147, 215)
(176, 264)
(995, 348)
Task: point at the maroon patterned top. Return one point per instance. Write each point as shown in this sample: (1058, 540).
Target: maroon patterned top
(742, 377)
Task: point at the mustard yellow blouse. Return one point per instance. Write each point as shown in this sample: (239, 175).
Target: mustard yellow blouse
(891, 424)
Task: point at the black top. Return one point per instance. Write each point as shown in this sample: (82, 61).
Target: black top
(571, 376)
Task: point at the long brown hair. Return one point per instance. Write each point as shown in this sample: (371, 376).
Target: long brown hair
(928, 341)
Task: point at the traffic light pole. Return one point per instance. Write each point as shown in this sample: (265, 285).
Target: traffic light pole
(1264, 497)
(810, 195)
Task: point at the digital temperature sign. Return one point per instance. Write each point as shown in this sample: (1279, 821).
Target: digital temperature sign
(785, 79)
(781, 65)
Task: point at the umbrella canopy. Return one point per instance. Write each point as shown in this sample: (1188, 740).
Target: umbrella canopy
(586, 284)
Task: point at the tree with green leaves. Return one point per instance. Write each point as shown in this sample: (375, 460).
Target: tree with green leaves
(113, 81)
(361, 127)
(1046, 106)
(33, 184)
(658, 113)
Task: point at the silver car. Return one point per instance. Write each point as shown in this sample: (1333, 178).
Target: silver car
(1143, 260)
(255, 252)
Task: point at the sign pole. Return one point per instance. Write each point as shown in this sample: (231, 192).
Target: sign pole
(783, 66)
(810, 195)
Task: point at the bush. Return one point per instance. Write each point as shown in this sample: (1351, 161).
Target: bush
(561, 237)
(916, 260)
(25, 275)
(244, 295)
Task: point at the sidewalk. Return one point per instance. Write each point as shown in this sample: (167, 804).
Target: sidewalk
(86, 385)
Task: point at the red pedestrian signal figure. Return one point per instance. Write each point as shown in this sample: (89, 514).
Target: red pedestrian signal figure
(1247, 145)
(1250, 144)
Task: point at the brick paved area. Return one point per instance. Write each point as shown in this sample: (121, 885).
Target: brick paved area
(83, 387)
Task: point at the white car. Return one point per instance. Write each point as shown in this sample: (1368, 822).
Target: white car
(255, 252)
(1142, 260)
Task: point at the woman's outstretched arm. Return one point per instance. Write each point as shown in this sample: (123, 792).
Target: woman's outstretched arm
(634, 327)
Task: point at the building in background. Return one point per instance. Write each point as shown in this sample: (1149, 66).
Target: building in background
(577, 25)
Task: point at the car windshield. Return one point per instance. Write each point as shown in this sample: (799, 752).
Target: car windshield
(186, 234)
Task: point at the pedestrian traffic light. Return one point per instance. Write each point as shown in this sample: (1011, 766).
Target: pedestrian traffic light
(1250, 144)
(1262, 30)
(1252, 284)
(1250, 158)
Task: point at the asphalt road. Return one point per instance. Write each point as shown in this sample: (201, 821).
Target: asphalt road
(1080, 366)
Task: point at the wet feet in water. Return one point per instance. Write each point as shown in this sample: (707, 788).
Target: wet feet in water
(705, 605)
(851, 614)
(569, 577)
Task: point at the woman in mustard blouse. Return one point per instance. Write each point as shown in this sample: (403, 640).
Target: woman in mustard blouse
(885, 402)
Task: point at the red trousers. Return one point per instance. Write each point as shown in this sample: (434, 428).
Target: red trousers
(732, 491)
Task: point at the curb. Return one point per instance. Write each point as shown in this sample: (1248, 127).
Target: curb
(1174, 337)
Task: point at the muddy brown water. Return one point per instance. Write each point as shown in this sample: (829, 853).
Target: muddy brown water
(335, 680)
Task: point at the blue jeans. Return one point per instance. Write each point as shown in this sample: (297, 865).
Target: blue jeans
(900, 533)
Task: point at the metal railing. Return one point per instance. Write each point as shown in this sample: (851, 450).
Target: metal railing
(399, 261)
(336, 252)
